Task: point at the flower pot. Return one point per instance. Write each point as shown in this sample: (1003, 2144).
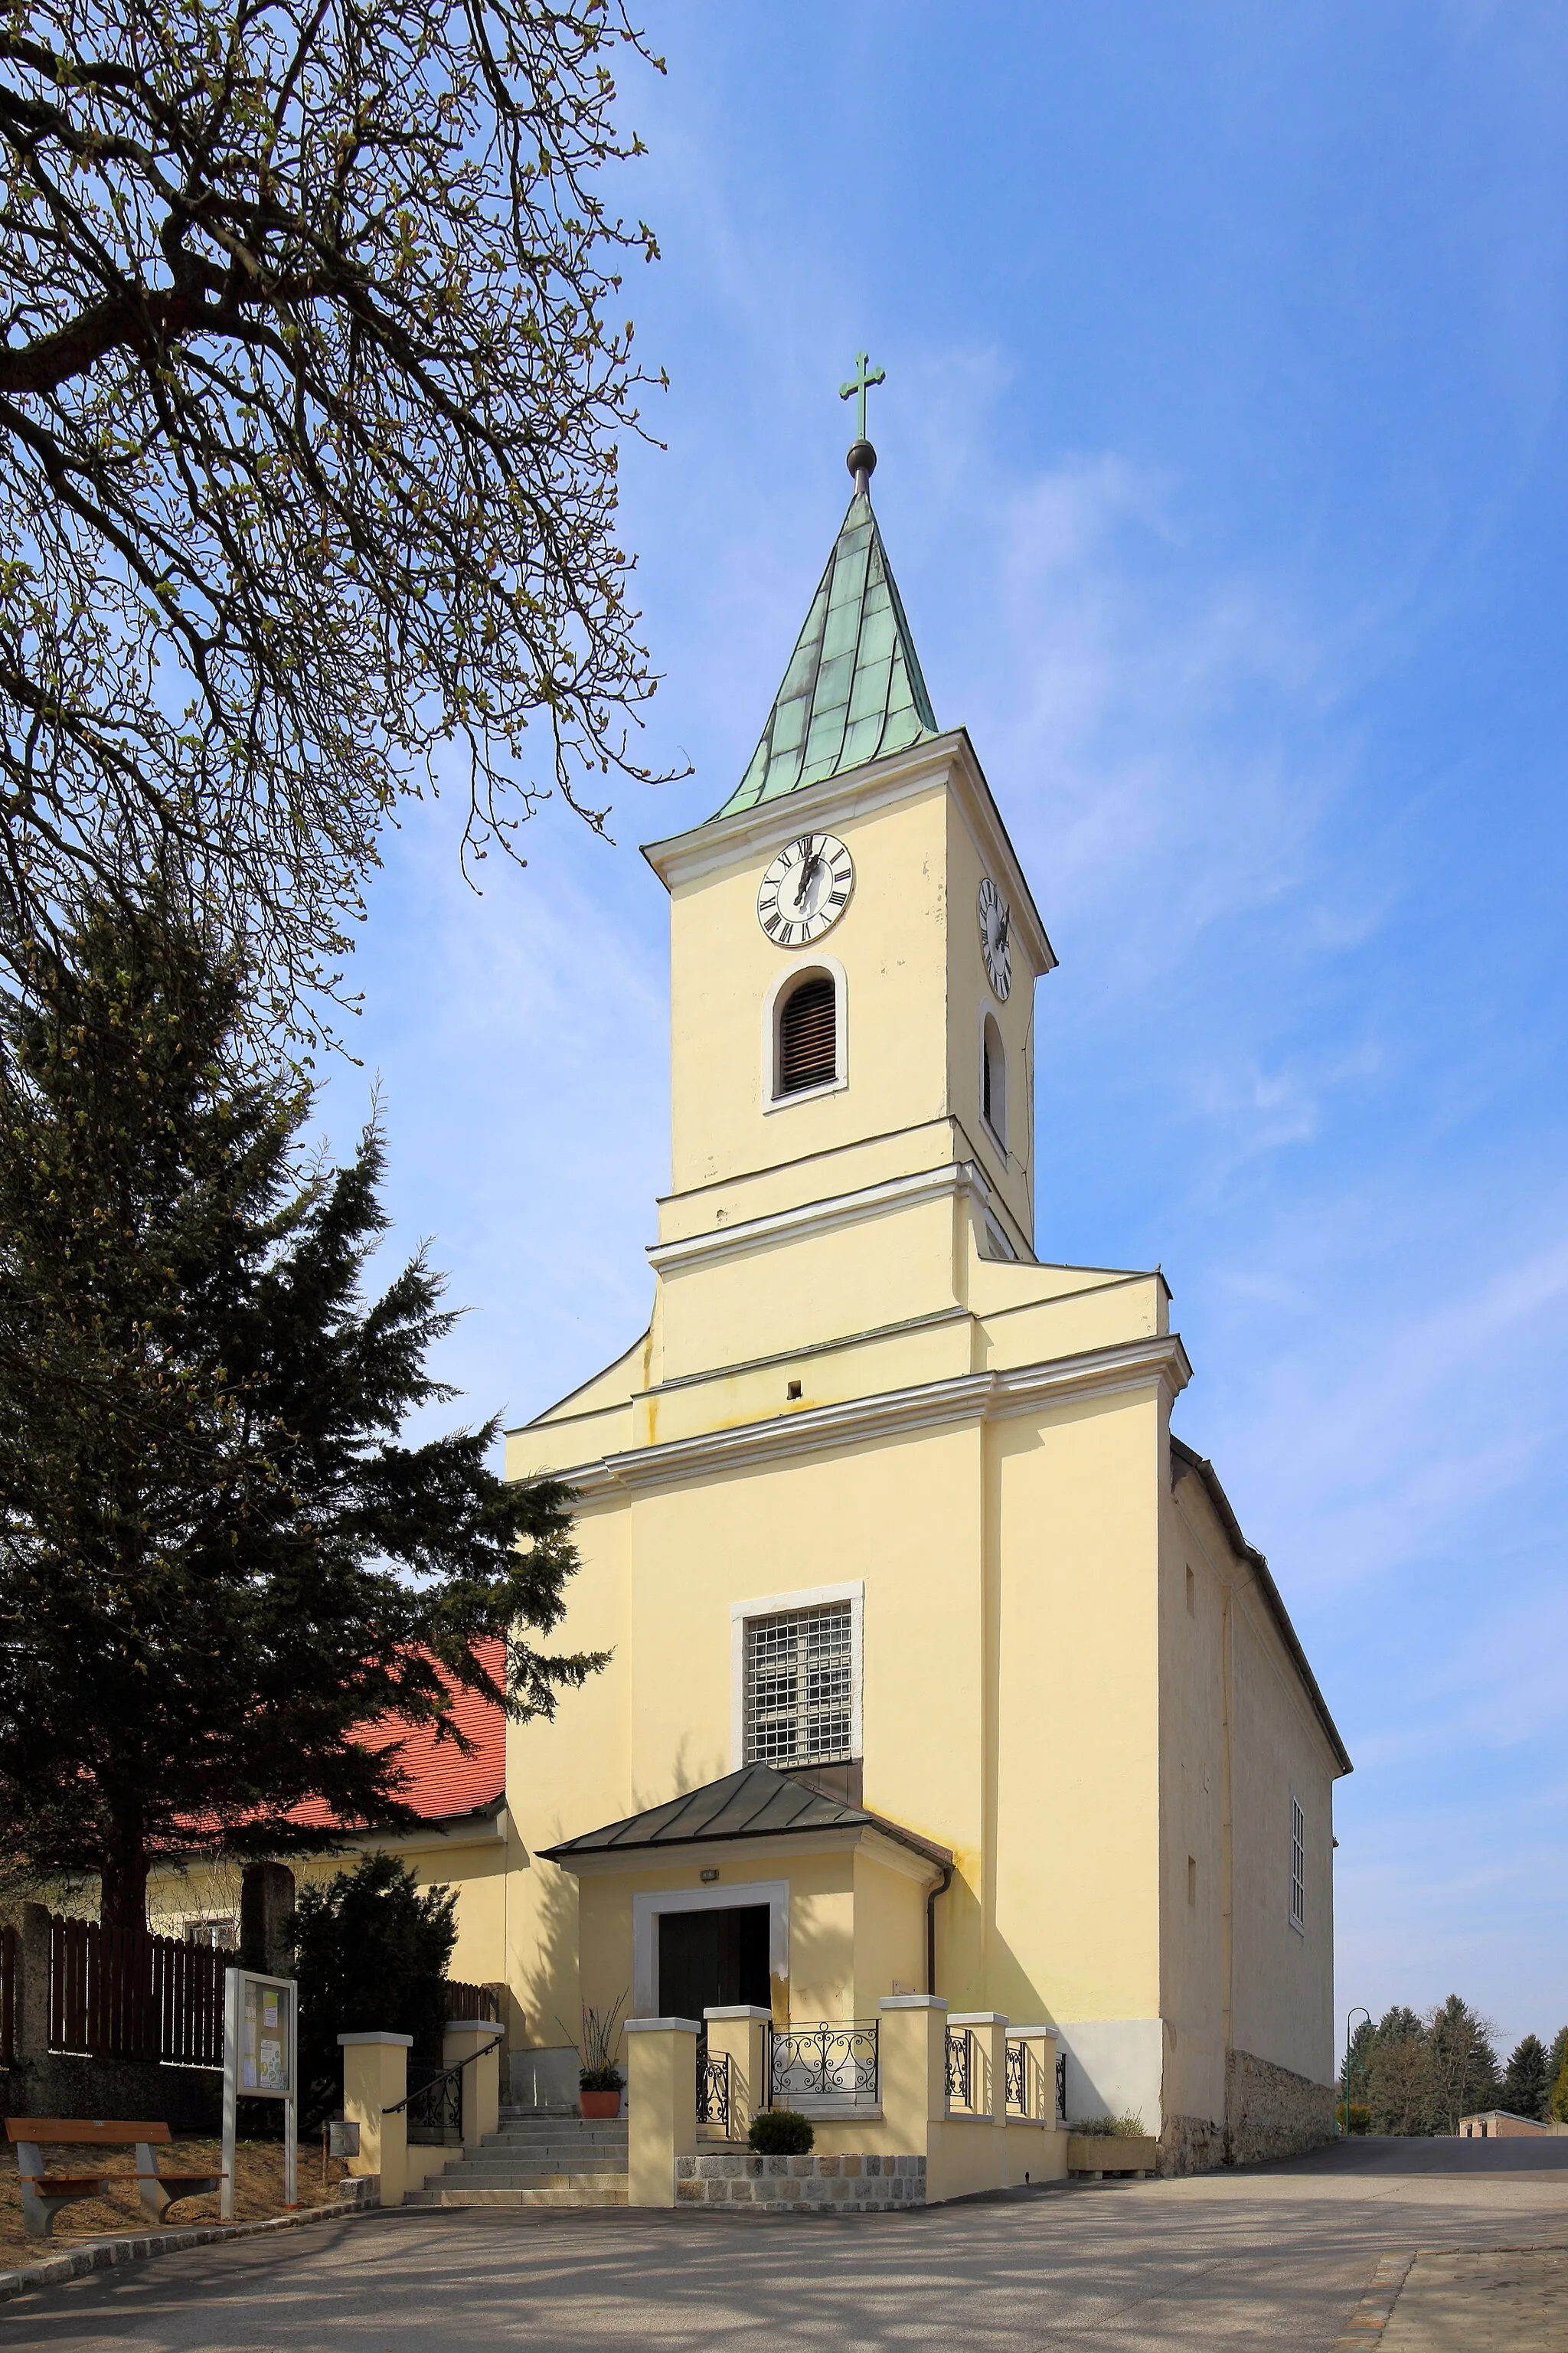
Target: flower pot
(599, 2103)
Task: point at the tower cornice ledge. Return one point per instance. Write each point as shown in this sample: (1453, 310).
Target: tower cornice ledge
(954, 1179)
(946, 759)
(1161, 1361)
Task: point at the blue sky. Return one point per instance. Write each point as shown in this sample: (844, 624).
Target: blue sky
(1223, 471)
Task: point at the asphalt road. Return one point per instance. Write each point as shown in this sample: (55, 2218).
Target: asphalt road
(1267, 2257)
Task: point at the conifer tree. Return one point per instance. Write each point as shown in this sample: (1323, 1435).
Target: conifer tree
(1398, 2073)
(1464, 2069)
(1557, 2076)
(1525, 2081)
(217, 1556)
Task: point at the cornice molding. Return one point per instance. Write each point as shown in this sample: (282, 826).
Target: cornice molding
(952, 1178)
(759, 1853)
(946, 759)
(1158, 1361)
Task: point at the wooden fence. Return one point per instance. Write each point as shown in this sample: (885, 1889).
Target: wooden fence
(119, 1993)
(470, 2000)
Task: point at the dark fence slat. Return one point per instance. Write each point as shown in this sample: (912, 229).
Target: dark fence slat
(121, 1993)
(469, 2000)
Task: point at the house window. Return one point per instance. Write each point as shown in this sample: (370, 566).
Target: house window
(808, 1036)
(800, 1686)
(1297, 1865)
(993, 1080)
(202, 1928)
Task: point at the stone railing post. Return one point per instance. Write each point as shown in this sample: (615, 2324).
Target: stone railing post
(265, 1904)
(661, 2105)
(481, 2079)
(911, 2067)
(1040, 2071)
(375, 2076)
(987, 2062)
(740, 2035)
(33, 1993)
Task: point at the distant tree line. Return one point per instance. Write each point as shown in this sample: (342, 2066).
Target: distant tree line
(1414, 2075)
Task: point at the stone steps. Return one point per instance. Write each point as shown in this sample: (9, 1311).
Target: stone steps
(537, 2158)
(569, 2189)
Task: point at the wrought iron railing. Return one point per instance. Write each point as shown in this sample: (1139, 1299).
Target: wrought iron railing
(1017, 2079)
(435, 2106)
(713, 2088)
(1062, 2085)
(835, 2060)
(959, 2064)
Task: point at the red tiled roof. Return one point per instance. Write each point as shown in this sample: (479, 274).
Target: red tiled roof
(440, 1781)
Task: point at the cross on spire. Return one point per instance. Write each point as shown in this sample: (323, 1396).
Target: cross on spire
(857, 388)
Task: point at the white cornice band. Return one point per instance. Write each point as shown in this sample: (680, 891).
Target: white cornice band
(859, 1422)
(952, 1178)
(951, 758)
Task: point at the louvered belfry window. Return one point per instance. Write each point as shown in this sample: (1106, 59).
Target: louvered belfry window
(808, 1036)
(799, 1676)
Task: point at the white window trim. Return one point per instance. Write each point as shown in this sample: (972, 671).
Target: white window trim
(775, 1605)
(998, 1135)
(649, 1904)
(1297, 1920)
(784, 979)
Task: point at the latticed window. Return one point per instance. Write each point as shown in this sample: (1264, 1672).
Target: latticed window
(800, 1672)
(808, 1036)
(1297, 1864)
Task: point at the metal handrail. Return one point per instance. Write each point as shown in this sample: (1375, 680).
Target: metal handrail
(423, 2091)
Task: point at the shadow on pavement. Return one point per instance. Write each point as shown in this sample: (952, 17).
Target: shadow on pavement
(1375, 2153)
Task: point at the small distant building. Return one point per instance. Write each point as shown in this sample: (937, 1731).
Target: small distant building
(1498, 2123)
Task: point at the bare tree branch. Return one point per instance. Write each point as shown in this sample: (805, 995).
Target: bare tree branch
(310, 396)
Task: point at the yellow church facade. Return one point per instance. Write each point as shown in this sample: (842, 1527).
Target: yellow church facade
(937, 1665)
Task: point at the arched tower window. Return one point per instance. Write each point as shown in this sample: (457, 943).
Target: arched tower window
(993, 1080)
(809, 1035)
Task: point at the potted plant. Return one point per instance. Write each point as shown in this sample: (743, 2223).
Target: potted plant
(599, 2080)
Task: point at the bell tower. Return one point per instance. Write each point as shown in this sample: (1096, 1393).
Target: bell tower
(854, 950)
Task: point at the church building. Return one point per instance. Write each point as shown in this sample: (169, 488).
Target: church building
(938, 1664)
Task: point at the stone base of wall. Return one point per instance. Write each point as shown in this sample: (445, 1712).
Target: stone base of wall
(838, 2185)
(1268, 2112)
(1191, 2145)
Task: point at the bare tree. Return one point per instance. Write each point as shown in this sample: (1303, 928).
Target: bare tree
(309, 401)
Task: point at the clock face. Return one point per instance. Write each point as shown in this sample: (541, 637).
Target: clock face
(996, 925)
(805, 890)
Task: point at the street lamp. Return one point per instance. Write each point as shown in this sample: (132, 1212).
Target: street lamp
(1346, 2105)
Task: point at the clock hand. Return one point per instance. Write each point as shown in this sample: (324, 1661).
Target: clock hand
(808, 873)
(1003, 928)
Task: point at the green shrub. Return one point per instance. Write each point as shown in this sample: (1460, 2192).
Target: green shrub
(370, 1951)
(782, 2132)
(1102, 2127)
(599, 2079)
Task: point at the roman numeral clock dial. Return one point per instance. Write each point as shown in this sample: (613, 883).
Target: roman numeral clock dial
(995, 929)
(805, 890)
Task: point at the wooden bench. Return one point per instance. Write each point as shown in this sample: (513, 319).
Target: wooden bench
(44, 2193)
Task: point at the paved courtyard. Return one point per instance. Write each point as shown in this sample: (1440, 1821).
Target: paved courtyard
(1275, 2256)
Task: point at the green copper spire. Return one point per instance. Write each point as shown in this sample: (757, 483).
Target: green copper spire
(854, 690)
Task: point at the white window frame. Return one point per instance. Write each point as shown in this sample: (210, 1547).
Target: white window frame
(648, 1904)
(779, 1605)
(783, 982)
(1298, 1911)
(998, 1135)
